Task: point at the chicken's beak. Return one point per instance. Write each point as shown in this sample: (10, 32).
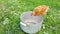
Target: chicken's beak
(31, 14)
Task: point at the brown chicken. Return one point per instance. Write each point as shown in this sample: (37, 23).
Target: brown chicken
(40, 10)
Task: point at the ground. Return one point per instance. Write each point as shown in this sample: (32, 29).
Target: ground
(10, 11)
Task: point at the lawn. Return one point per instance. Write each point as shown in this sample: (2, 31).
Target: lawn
(10, 11)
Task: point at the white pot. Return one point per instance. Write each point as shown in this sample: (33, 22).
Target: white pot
(30, 24)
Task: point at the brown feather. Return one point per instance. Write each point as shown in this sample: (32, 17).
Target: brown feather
(40, 10)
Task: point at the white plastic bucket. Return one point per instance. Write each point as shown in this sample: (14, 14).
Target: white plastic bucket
(30, 24)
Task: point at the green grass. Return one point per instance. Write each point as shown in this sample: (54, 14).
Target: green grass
(11, 10)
